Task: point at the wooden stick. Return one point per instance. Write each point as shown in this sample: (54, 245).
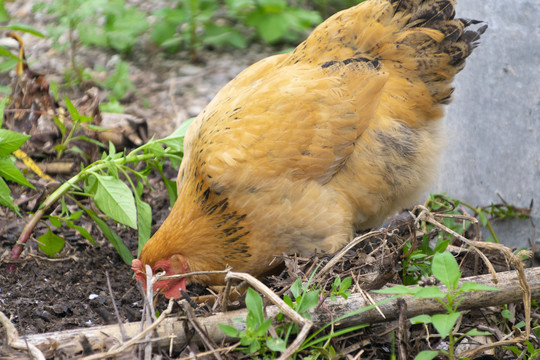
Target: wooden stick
(509, 285)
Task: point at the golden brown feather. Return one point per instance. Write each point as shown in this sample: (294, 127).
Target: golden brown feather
(302, 149)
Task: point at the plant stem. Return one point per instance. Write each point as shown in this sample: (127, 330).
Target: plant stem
(488, 224)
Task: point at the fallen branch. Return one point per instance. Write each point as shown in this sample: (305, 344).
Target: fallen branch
(509, 285)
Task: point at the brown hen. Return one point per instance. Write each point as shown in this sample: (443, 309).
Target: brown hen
(302, 149)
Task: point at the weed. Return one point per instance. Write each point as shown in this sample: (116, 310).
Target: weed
(115, 199)
(10, 141)
(445, 268)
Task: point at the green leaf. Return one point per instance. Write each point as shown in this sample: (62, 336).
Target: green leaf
(426, 355)
(228, 330)
(421, 319)
(2, 107)
(482, 217)
(445, 268)
(430, 292)
(73, 112)
(144, 219)
(270, 26)
(276, 344)
(398, 289)
(6, 53)
(296, 288)
(254, 305)
(24, 28)
(345, 284)
(444, 323)
(113, 238)
(177, 137)
(11, 141)
(10, 172)
(50, 243)
(309, 300)
(6, 199)
(471, 286)
(85, 234)
(475, 332)
(115, 199)
(263, 328)
(507, 314)
(4, 15)
(55, 221)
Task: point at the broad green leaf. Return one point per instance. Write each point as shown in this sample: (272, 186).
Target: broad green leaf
(113, 238)
(10, 172)
(276, 344)
(11, 141)
(345, 284)
(177, 137)
(426, 355)
(6, 199)
(444, 323)
(507, 314)
(229, 330)
(270, 26)
(254, 305)
(115, 199)
(50, 243)
(445, 268)
(471, 286)
(310, 299)
(144, 220)
(421, 319)
(24, 28)
(430, 292)
(55, 221)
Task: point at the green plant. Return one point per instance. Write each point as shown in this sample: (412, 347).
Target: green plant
(195, 23)
(200, 27)
(115, 199)
(118, 82)
(418, 262)
(445, 268)
(254, 337)
(529, 352)
(68, 133)
(105, 23)
(304, 298)
(341, 288)
(10, 141)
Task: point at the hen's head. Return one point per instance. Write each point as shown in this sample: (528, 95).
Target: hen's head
(176, 264)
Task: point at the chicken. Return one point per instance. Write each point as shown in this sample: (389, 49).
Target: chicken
(301, 150)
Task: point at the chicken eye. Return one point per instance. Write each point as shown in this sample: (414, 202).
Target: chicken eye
(159, 270)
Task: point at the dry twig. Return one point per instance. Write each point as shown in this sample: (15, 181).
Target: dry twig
(16, 343)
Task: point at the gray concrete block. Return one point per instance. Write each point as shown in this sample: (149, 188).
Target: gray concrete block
(494, 133)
